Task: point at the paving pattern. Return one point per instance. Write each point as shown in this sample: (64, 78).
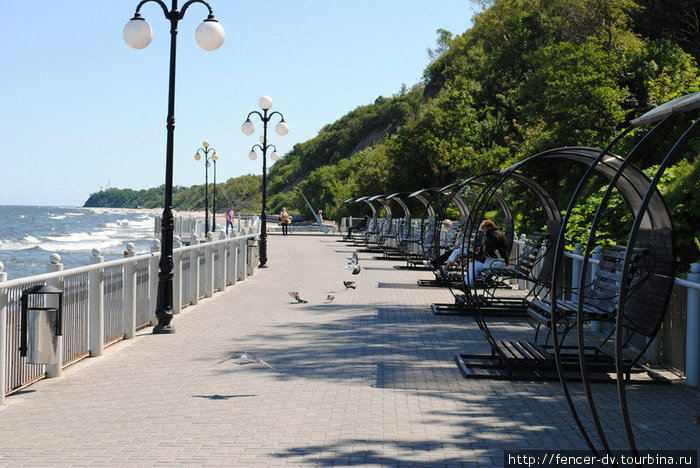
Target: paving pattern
(367, 379)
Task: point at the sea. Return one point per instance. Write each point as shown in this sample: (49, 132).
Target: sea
(30, 234)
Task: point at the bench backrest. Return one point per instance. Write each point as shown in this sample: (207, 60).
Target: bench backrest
(530, 254)
(604, 290)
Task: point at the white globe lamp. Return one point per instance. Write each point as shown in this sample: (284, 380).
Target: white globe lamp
(265, 102)
(248, 128)
(138, 33)
(282, 128)
(210, 34)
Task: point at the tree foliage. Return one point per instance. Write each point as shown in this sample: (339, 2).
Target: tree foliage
(529, 75)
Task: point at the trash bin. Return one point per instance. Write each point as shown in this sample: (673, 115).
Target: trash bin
(41, 325)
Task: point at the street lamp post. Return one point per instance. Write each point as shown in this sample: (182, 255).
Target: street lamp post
(204, 151)
(282, 128)
(138, 34)
(213, 208)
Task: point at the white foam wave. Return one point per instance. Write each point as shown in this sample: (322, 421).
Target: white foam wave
(57, 217)
(78, 246)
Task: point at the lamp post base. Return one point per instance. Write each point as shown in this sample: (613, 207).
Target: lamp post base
(163, 329)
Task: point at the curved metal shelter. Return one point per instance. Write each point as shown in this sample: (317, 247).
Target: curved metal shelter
(645, 264)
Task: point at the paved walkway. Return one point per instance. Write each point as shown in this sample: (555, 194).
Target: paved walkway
(366, 380)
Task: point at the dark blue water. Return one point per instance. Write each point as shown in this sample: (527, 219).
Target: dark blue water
(30, 234)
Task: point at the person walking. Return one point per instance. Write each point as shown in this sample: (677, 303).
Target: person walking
(229, 218)
(285, 220)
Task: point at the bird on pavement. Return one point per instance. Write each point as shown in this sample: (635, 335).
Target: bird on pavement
(246, 358)
(295, 296)
(349, 284)
(330, 298)
(354, 264)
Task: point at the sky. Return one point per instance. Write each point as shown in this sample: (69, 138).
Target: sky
(82, 111)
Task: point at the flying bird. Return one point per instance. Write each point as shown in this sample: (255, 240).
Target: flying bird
(246, 358)
(295, 296)
(349, 285)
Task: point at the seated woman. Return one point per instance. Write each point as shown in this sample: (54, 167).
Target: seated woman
(490, 243)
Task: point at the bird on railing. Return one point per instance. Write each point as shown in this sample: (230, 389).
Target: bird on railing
(295, 296)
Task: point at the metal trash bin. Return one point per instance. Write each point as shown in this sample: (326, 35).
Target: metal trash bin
(41, 325)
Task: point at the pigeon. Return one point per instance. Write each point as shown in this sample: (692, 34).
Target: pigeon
(355, 264)
(330, 298)
(295, 296)
(246, 358)
(349, 285)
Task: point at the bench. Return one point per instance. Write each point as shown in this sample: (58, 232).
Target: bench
(492, 279)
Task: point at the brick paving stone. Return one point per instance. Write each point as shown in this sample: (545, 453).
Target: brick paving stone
(367, 380)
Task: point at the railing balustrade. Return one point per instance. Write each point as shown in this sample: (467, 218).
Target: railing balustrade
(108, 301)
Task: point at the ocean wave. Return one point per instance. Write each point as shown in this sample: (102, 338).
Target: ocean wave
(77, 247)
(58, 217)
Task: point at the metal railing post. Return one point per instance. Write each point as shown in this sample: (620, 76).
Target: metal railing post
(221, 266)
(209, 267)
(153, 270)
(54, 370)
(177, 275)
(232, 266)
(692, 343)
(242, 259)
(194, 272)
(129, 306)
(3, 335)
(96, 294)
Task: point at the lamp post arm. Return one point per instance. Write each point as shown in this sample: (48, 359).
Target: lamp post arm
(206, 152)
(258, 114)
(270, 146)
(273, 113)
(159, 2)
(257, 146)
(190, 2)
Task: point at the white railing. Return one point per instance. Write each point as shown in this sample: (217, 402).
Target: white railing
(187, 226)
(105, 302)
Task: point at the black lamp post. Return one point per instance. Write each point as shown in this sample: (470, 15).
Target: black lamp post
(204, 151)
(213, 208)
(248, 128)
(138, 34)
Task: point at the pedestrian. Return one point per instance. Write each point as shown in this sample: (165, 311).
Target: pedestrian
(285, 220)
(229, 218)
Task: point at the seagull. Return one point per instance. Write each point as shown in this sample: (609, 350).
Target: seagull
(295, 296)
(246, 358)
(330, 298)
(349, 285)
(354, 258)
(356, 269)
